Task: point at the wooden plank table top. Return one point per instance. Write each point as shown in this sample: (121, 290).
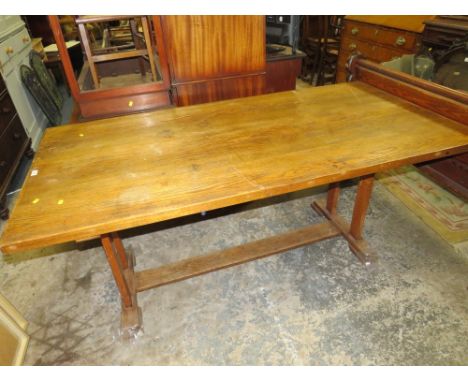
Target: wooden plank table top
(113, 174)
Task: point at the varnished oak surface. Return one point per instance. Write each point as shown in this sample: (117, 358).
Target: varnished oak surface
(108, 175)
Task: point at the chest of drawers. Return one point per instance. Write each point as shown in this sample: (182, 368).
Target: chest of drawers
(15, 46)
(379, 38)
(14, 142)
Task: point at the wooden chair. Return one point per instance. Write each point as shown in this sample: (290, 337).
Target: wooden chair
(309, 31)
(320, 41)
(142, 42)
(330, 45)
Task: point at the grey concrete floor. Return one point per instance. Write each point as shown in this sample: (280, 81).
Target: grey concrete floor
(315, 305)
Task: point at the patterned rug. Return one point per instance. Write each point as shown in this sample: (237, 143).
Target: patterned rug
(439, 209)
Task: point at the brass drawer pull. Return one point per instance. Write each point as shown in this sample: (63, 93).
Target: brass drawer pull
(354, 31)
(352, 46)
(6, 110)
(400, 41)
(25, 39)
(9, 50)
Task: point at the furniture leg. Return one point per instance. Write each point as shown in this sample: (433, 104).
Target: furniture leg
(119, 248)
(360, 205)
(351, 232)
(149, 45)
(320, 66)
(137, 42)
(332, 197)
(124, 275)
(315, 65)
(89, 53)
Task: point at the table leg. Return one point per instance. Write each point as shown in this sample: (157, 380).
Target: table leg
(360, 205)
(351, 232)
(119, 248)
(332, 197)
(121, 265)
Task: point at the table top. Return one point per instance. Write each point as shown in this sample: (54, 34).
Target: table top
(111, 174)
(52, 48)
(284, 53)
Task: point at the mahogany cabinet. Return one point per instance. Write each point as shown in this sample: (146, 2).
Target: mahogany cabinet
(215, 57)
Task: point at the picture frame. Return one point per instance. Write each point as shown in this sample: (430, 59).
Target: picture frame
(13, 337)
(10, 309)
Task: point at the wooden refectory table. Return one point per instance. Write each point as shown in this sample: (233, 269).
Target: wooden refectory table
(97, 178)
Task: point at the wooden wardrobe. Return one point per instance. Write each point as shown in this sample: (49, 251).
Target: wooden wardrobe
(215, 57)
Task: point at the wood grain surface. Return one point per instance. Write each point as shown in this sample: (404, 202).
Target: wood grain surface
(216, 57)
(207, 47)
(112, 174)
(195, 92)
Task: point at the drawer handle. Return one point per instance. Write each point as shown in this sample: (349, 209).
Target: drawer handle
(6, 110)
(25, 39)
(130, 103)
(16, 136)
(9, 50)
(352, 46)
(400, 41)
(354, 31)
(3, 163)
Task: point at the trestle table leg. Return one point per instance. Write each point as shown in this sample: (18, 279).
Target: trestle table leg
(351, 232)
(121, 265)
